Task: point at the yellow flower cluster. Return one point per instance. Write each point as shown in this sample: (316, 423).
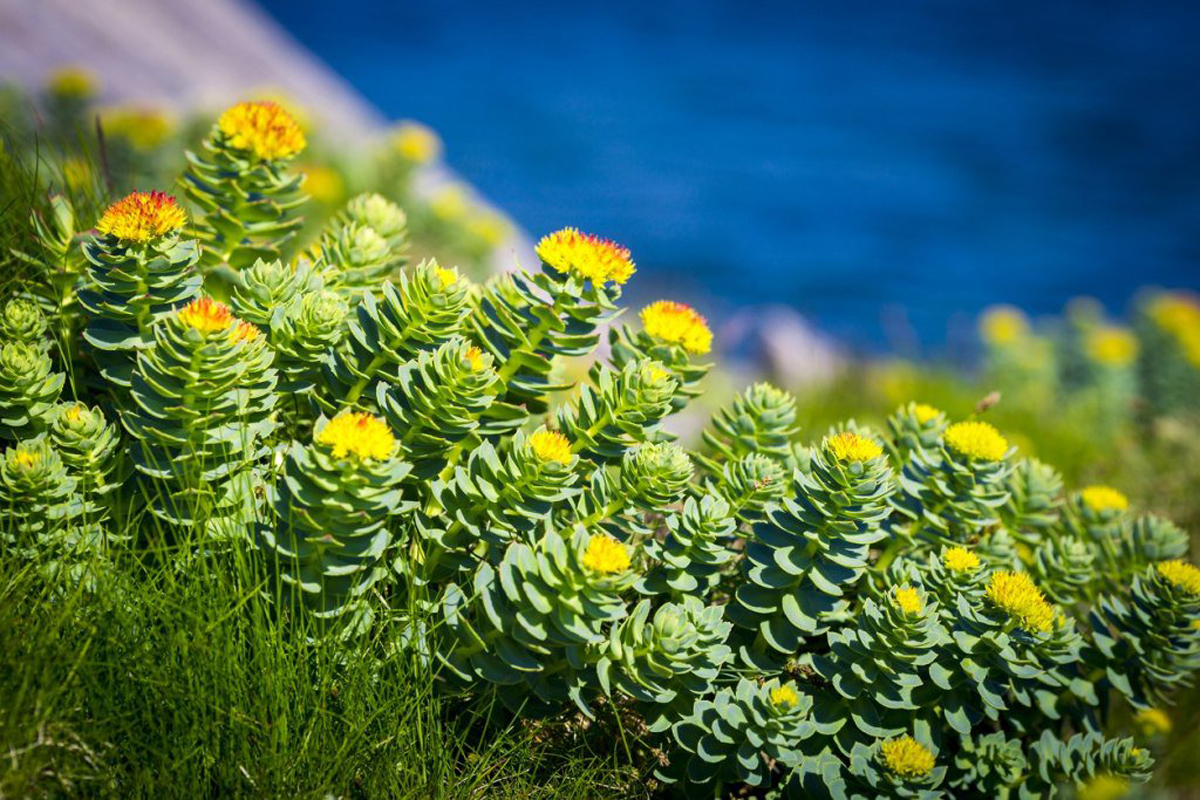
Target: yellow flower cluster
(358, 434)
(142, 216)
(1153, 721)
(784, 696)
(1182, 575)
(73, 82)
(264, 128)
(446, 277)
(925, 413)
(1103, 787)
(416, 143)
(1015, 594)
(975, 439)
(907, 757)
(26, 459)
(1003, 325)
(206, 315)
(960, 560)
(677, 323)
(1111, 346)
(605, 554)
(849, 446)
(474, 359)
(586, 256)
(1179, 315)
(1102, 499)
(908, 600)
(144, 128)
(551, 446)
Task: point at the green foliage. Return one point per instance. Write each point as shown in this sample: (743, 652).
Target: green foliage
(364, 246)
(201, 401)
(130, 286)
(247, 201)
(28, 388)
(35, 491)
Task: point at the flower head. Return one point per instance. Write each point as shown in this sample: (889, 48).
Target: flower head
(264, 128)
(1181, 575)
(677, 323)
(975, 439)
(605, 554)
(1104, 786)
(586, 256)
(446, 277)
(907, 757)
(142, 216)
(924, 413)
(244, 332)
(206, 315)
(1015, 594)
(960, 560)
(450, 204)
(1153, 721)
(1002, 325)
(908, 600)
(358, 434)
(1112, 346)
(416, 143)
(850, 446)
(784, 696)
(1102, 499)
(551, 446)
(144, 128)
(474, 358)
(71, 81)
(26, 459)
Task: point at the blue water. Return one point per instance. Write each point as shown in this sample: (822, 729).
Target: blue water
(863, 162)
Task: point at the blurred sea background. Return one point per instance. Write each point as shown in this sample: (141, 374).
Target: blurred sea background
(886, 169)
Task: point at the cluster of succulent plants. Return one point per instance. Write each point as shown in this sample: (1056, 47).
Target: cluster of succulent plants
(917, 612)
(1115, 372)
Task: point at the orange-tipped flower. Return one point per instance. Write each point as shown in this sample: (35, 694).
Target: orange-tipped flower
(206, 315)
(142, 216)
(264, 128)
(587, 256)
(677, 323)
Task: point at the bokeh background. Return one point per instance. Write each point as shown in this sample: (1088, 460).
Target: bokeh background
(887, 169)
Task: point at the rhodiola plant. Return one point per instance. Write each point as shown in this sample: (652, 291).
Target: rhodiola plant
(910, 611)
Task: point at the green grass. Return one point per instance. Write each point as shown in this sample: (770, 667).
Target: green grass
(185, 678)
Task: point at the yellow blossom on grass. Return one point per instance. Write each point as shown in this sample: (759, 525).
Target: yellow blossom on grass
(1153, 721)
(677, 323)
(359, 434)
(450, 204)
(784, 696)
(960, 560)
(206, 315)
(142, 216)
(977, 440)
(264, 128)
(1103, 787)
(72, 81)
(1015, 594)
(144, 128)
(1112, 346)
(924, 413)
(1003, 325)
(907, 757)
(551, 446)
(850, 446)
(1102, 499)
(606, 554)
(416, 143)
(1181, 575)
(909, 600)
(324, 184)
(586, 256)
